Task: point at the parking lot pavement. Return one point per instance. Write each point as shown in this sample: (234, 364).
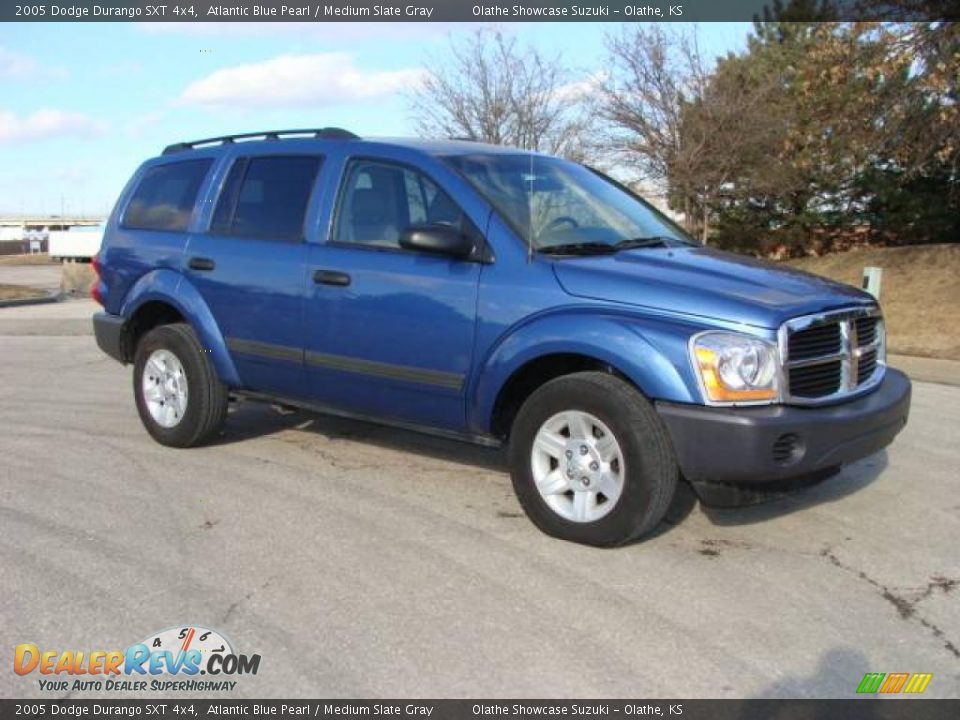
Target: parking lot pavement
(363, 561)
(42, 277)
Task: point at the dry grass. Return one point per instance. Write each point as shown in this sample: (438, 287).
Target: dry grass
(920, 293)
(34, 259)
(19, 292)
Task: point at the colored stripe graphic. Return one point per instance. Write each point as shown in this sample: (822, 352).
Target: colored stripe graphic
(918, 682)
(871, 682)
(893, 683)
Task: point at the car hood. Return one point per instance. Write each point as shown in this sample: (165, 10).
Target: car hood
(706, 283)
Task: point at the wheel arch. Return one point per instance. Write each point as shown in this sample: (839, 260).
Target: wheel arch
(164, 296)
(651, 357)
(535, 373)
(147, 316)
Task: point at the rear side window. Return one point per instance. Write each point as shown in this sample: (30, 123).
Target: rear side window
(165, 197)
(266, 197)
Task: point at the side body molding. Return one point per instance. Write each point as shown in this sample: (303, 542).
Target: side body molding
(172, 288)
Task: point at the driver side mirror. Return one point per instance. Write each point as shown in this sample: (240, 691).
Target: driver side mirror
(438, 240)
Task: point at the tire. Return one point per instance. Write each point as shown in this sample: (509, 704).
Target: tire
(629, 491)
(186, 371)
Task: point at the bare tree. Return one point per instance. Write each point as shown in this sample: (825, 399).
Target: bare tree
(676, 123)
(490, 89)
(651, 76)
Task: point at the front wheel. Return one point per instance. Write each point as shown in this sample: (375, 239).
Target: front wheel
(180, 400)
(591, 461)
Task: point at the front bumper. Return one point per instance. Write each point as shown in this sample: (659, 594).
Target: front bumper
(765, 446)
(108, 329)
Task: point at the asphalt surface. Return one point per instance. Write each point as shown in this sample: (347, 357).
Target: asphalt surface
(361, 561)
(43, 277)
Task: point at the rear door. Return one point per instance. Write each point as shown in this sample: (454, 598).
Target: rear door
(249, 265)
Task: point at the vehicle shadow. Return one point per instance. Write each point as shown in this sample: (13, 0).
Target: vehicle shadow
(849, 480)
(249, 420)
(838, 673)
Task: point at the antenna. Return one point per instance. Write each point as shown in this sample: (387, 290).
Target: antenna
(530, 214)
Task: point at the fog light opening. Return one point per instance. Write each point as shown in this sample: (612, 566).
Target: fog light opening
(788, 449)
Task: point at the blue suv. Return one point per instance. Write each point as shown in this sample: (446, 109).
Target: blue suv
(494, 295)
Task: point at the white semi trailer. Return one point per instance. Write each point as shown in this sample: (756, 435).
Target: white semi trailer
(78, 244)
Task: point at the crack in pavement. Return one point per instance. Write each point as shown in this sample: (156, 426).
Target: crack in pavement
(937, 582)
(233, 607)
(905, 608)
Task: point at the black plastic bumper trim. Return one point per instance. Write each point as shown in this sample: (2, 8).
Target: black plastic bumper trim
(108, 330)
(735, 445)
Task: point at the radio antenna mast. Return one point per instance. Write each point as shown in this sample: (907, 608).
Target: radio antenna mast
(530, 214)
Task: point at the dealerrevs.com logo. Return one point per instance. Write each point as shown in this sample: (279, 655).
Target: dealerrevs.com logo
(170, 660)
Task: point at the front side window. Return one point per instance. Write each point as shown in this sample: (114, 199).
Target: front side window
(266, 197)
(554, 203)
(379, 200)
(165, 196)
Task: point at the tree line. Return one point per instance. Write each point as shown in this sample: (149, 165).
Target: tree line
(816, 136)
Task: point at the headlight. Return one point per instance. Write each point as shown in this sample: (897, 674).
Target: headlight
(736, 368)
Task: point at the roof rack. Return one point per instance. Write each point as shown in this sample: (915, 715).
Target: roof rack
(327, 133)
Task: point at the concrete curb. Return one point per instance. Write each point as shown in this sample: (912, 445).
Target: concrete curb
(20, 302)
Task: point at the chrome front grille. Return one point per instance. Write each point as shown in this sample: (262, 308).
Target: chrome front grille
(816, 341)
(866, 330)
(815, 381)
(832, 356)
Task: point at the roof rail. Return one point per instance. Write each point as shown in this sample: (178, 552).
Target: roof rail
(327, 133)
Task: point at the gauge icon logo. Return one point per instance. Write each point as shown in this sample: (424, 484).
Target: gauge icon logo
(184, 638)
(191, 650)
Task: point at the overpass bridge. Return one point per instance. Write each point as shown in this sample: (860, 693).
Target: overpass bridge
(51, 222)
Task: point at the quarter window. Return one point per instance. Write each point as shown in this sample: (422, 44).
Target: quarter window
(379, 201)
(165, 197)
(266, 197)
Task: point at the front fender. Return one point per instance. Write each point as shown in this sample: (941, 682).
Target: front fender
(651, 353)
(169, 286)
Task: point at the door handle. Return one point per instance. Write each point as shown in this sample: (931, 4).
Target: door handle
(201, 263)
(331, 277)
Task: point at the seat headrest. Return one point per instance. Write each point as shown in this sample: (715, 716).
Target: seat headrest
(368, 206)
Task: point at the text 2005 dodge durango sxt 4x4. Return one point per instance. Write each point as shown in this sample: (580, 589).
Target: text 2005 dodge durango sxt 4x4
(493, 295)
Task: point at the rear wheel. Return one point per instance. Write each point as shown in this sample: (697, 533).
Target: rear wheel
(180, 400)
(591, 461)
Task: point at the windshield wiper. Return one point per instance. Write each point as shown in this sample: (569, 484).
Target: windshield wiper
(599, 248)
(643, 242)
(580, 248)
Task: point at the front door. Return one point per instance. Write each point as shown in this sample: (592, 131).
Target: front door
(249, 267)
(390, 331)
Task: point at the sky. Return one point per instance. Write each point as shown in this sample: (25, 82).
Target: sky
(82, 105)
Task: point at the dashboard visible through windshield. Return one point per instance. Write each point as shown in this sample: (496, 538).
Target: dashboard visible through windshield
(558, 206)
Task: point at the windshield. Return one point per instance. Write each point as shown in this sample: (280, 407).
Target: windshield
(554, 204)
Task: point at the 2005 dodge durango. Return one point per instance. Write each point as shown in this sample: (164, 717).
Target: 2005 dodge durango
(489, 294)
